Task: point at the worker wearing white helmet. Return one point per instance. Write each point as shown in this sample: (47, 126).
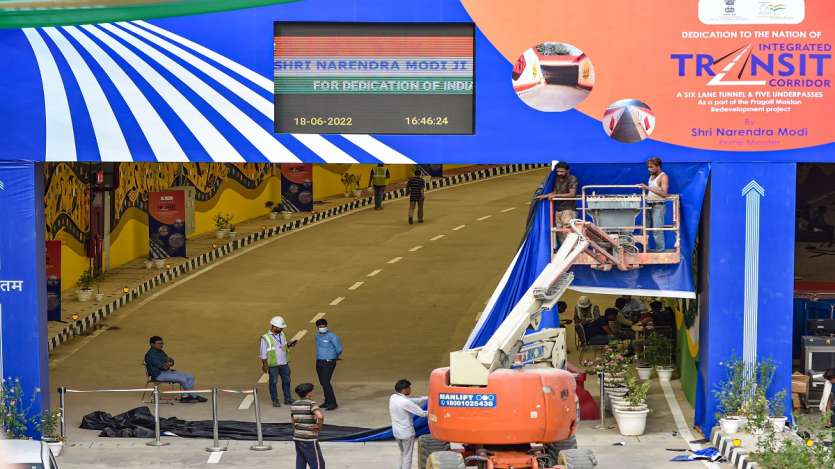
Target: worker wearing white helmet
(273, 356)
(585, 312)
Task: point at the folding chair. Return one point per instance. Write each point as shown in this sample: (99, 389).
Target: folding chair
(148, 397)
(582, 342)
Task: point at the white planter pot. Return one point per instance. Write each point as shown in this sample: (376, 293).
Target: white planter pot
(232, 234)
(644, 372)
(84, 295)
(665, 374)
(55, 447)
(99, 297)
(149, 263)
(779, 423)
(357, 193)
(730, 426)
(286, 215)
(347, 194)
(159, 263)
(273, 215)
(220, 234)
(632, 422)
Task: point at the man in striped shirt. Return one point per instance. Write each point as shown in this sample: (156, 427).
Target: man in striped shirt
(307, 420)
(415, 187)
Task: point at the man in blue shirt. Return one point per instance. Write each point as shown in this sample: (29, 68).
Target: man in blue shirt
(328, 350)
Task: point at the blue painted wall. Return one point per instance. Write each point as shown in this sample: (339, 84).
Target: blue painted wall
(24, 333)
(723, 277)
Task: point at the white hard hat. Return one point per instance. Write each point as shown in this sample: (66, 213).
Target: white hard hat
(583, 302)
(278, 321)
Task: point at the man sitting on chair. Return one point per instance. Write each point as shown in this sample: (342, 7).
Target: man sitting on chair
(158, 364)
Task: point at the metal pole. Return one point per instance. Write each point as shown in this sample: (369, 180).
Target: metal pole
(62, 396)
(260, 446)
(215, 438)
(156, 441)
(602, 425)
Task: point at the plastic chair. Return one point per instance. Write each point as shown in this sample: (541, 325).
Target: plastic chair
(148, 397)
(582, 342)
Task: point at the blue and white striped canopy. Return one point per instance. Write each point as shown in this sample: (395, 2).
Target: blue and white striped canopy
(134, 91)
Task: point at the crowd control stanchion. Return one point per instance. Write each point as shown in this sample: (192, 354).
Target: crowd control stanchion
(62, 423)
(156, 441)
(602, 425)
(260, 446)
(215, 437)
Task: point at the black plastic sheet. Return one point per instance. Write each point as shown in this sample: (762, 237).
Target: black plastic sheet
(139, 423)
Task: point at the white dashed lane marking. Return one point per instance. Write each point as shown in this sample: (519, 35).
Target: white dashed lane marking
(375, 272)
(459, 227)
(394, 261)
(264, 378)
(355, 286)
(336, 301)
(214, 458)
(415, 248)
(318, 317)
(437, 237)
(483, 218)
(246, 403)
(299, 335)
(508, 209)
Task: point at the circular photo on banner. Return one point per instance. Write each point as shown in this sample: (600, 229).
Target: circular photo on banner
(553, 76)
(628, 120)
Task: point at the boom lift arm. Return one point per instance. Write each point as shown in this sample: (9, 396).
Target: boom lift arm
(509, 346)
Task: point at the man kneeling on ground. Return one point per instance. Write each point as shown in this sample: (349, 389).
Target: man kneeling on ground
(159, 367)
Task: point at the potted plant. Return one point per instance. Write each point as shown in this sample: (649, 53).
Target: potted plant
(84, 284)
(730, 395)
(149, 262)
(232, 232)
(777, 419)
(221, 225)
(98, 279)
(349, 181)
(644, 363)
(284, 211)
(662, 356)
(47, 426)
(632, 418)
(756, 410)
(274, 209)
(13, 409)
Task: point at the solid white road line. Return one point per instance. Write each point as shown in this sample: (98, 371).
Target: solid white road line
(214, 458)
(246, 403)
(395, 260)
(355, 286)
(436, 238)
(483, 218)
(318, 317)
(415, 248)
(508, 209)
(375, 272)
(299, 335)
(336, 301)
(264, 378)
(681, 424)
(458, 227)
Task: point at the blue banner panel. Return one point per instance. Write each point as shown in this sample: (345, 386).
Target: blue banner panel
(749, 276)
(23, 333)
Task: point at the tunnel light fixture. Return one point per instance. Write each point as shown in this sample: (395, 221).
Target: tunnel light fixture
(75, 317)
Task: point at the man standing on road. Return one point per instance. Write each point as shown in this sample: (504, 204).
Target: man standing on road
(401, 408)
(159, 367)
(273, 356)
(415, 186)
(328, 351)
(307, 420)
(379, 179)
(564, 186)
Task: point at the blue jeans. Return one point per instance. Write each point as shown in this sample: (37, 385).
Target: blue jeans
(284, 372)
(378, 196)
(309, 454)
(657, 221)
(185, 380)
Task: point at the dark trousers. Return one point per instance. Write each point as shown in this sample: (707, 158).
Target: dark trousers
(325, 369)
(419, 205)
(309, 454)
(284, 372)
(378, 196)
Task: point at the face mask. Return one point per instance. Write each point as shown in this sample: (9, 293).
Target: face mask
(322, 330)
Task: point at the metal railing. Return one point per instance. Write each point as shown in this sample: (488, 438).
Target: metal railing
(259, 446)
(639, 232)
